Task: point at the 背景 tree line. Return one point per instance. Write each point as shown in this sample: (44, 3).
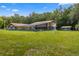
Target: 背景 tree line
(63, 16)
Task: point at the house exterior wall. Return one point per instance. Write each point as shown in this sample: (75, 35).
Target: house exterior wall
(46, 26)
(52, 26)
(11, 27)
(41, 27)
(24, 28)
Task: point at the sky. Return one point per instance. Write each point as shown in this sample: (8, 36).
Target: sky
(8, 9)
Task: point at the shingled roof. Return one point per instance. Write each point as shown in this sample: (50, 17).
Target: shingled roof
(41, 22)
(33, 24)
(20, 24)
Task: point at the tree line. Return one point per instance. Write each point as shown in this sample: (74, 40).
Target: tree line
(63, 16)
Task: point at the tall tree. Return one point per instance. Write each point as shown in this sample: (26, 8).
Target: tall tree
(74, 15)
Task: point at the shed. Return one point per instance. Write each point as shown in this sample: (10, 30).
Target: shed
(66, 27)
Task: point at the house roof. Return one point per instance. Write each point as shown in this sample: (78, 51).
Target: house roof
(41, 22)
(33, 24)
(20, 24)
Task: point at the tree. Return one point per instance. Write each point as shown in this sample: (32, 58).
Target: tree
(1, 22)
(74, 15)
(57, 16)
(65, 16)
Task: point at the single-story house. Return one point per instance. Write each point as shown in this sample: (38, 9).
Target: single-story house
(42, 25)
(66, 27)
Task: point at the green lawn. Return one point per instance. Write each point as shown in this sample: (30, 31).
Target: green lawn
(46, 43)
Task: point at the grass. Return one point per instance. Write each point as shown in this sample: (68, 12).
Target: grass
(46, 43)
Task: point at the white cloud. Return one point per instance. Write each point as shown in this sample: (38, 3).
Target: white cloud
(65, 4)
(15, 10)
(62, 3)
(3, 6)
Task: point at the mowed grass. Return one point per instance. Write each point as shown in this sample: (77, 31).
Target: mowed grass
(44, 43)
